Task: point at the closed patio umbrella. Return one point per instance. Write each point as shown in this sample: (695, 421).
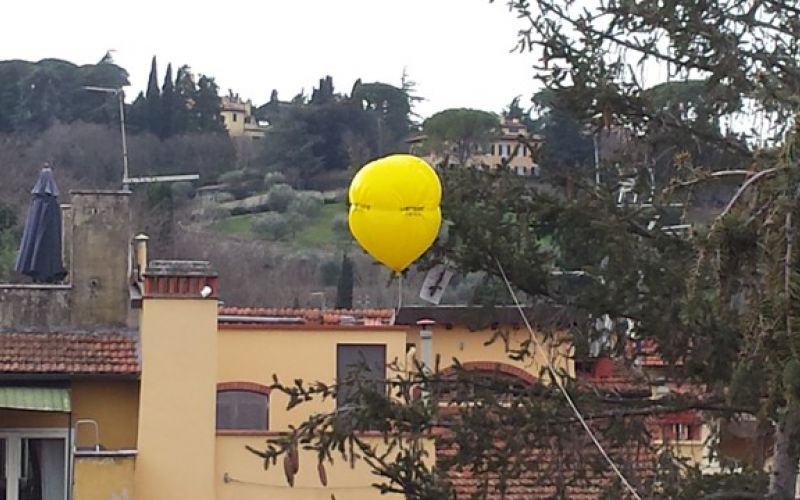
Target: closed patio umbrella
(40, 250)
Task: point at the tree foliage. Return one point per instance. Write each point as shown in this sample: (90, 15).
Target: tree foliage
(181, 105)
(344, 285)
(33, 96)
(720, 307)
(567, 144)
(334, 131)
(460, 131)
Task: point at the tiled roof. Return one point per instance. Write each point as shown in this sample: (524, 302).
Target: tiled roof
(609, 375)
(363, 317)
(68, 354)
(581, 477)
(646, 353)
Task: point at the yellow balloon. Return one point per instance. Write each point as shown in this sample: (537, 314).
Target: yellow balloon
(394, 209)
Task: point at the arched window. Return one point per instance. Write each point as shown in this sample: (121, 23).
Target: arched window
(502, 380)
(242, 406)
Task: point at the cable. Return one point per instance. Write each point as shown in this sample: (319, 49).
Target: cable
(228, 479)
(563, 390)
(399, 292)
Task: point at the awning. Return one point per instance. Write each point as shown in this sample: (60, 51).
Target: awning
(35, 398)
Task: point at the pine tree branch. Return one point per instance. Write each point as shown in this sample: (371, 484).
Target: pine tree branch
(749, 182)
(713, 175)
(734, 495)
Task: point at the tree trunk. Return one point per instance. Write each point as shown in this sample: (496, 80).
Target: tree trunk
(786, 454)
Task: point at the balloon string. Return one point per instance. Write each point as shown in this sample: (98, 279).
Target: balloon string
(399, 292)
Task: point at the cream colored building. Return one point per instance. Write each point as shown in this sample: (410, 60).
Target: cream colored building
(512, 145)
(129, 382)
(237, 115)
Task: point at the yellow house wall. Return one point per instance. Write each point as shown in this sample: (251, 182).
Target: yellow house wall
(178, 400)
(112, 403)
(693, 451)
(235, 128)
(249, 480)
(254, 355)
(523, 158)
(11, 419)
(465, 345)
(115, 407)
(104, 478)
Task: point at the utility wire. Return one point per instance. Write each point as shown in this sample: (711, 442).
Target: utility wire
(560, 385)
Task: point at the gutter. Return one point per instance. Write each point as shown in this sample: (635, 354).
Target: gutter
(266, 320)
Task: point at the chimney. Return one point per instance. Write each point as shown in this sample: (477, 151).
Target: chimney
(178, 331)
(100, 234)
(180, 279)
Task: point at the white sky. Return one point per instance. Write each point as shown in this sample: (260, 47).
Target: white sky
(456, 50)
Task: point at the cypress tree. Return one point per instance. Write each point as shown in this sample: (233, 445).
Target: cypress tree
(208, 105)
(185, 117)
(344, 288)
(153, 101)
(168, 105)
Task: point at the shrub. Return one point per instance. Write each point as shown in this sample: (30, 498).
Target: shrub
(340, 225)
(182, 191)
(215, 212)
(224, 197)
(272, 225)
(232, 177)
(279, 197)
(307, 203)
(273, 178)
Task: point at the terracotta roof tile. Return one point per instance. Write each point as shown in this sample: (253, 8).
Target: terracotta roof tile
(540, 481)
(609, 375)
(646, 353)
(366, 317)
(68, 353)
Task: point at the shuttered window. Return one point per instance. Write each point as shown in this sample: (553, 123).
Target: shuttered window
(367, 361)
(242, 410)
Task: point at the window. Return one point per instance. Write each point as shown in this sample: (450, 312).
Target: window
(680, 432)
(368, 361)
(34, 465)
(492, 149)
(242, 410)
(473, 385)
(234, 117)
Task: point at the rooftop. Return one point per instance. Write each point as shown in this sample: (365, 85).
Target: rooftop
(68, 354)
(477, 317)
(553, 475)
(292, 316)
(179, 268)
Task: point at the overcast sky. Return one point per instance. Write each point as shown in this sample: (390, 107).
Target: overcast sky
(456, 50)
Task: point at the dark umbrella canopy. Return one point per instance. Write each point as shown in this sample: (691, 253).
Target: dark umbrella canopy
(40, 251)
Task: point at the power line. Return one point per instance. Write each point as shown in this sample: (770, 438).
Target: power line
(563, 390)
